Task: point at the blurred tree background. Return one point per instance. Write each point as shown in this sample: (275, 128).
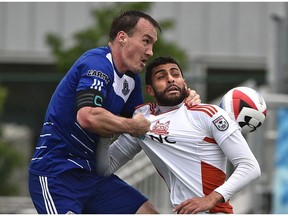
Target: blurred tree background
(98, 35)
(10, 159)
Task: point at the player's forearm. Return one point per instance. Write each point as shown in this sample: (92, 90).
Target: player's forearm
(243, 175)
(108, 157)
(247, 168)
(115, 159)
(102, 156)
(121, 151)
(104, 123)
(212, 199)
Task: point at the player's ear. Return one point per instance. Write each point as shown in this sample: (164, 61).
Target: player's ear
(121, 37)
(185, 84)
(150, 90)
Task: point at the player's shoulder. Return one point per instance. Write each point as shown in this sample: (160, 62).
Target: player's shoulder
(96, 62)
(204, 109)
(146, 107)
(98, 51)
(96, 55)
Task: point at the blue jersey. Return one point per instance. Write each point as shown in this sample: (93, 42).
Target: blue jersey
(63, 144)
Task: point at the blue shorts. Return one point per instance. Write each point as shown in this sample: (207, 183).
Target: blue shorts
(83, 192)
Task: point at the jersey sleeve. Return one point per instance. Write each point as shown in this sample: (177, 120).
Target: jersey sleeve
(128, 145)
(111, 158)
(96, 73)
(246, 166)
(221, 125)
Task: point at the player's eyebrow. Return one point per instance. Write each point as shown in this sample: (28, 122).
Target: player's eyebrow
(151, 39)
(164, 70)
(174, 68)
(160, 71)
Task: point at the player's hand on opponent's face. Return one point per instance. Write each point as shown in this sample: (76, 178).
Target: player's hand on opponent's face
(141, 125)
(193, 98)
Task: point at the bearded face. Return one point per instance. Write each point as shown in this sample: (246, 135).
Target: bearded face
(170, 96)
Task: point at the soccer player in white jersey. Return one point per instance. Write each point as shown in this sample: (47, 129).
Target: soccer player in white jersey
(188, 145)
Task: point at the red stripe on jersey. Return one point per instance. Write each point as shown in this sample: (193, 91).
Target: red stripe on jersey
(152, 107)
(209, 140)
(212, 178)
(208, 109)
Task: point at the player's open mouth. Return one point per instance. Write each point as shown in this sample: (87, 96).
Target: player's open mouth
(172, 89)
(143, 62)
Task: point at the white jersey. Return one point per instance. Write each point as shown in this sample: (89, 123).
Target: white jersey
(184, 144)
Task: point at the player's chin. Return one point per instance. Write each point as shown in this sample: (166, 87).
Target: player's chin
(173, 98)
(142, 65)
(138, 69)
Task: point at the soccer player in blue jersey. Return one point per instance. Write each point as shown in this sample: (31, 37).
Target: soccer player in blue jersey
(95, 99)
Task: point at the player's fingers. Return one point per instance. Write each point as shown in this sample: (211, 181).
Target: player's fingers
(184, 208)
(190, 93)
(179, 207)
(186, 211)
(196, 210)
(192, 97)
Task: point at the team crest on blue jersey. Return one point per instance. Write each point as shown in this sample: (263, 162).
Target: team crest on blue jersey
(125, 89)
(161, 128)
(221, 123)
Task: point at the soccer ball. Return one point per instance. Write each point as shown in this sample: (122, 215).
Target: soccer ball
(246, 106)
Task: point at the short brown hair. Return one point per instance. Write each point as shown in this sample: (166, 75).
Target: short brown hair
(126, 22)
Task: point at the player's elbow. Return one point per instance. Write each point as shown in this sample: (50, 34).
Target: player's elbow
(89, 120)
(255, 172)
(83, 118)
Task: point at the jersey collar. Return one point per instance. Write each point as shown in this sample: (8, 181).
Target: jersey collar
(163, 109)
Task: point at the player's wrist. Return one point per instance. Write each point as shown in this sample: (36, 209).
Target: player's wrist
(218, 198)
(129, 125)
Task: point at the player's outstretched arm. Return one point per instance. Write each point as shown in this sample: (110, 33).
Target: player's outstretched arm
(100, 121)
(117, 154)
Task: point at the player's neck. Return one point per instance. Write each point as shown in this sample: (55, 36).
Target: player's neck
(163, 109)
(116, 58)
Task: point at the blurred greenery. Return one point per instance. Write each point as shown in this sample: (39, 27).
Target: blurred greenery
(10, 159)
(3, 94)
(97, 35)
